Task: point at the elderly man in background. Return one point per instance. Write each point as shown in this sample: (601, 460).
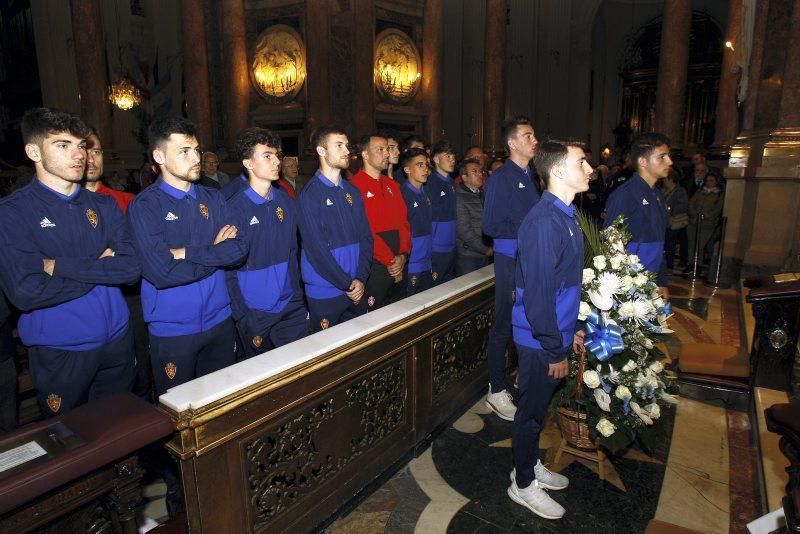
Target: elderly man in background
(474, 250)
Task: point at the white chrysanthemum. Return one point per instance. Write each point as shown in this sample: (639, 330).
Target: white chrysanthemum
(605, 427)
(643, 309)
(640, 280)
(584, 310)
(603, 399)
(610, 282)
(591, 378)
(622, 393)
(588, 275)
(599, 262)
(630, 366)
(626, 310)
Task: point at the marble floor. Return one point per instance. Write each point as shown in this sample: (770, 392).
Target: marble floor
(702, 479)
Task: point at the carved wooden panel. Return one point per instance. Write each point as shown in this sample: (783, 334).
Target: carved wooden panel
(457, 352)
(295, 458)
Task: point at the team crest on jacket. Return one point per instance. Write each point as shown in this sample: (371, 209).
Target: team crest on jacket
(204, 211)
(53, 402)
(349, 198)
(279, 213)
(170, 370)
(324, 323)
(413, 280)
(92, 216)
(257, 341)
(434, 275)
(371, 302)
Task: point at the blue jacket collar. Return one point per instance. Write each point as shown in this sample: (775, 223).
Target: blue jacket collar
(176, 193)
(326, 182)
(557, 202)
(66, 198)
(258, 199)
(445, 178)
(409, 185)
(516, 168)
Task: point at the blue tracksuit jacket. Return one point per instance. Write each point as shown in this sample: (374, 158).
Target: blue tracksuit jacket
(336, 240)
(548, 280)
(181, 297)
(78, 308)
(510, 195)
(646, 213)
(268, 228)
(442, 192)
(418, 206)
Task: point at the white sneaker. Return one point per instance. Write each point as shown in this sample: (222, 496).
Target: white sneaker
(502, 404)
(546, 478)
(536, 499)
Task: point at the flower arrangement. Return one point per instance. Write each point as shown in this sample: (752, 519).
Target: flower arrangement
(625, 385)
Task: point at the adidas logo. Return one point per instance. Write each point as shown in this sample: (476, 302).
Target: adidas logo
(328, 202)
(46, 223)
(171, 217)
(521, 185)
(415, 204)
(570, 233)
(369, 194)
(442, 193)
(254, 220)
(645, 202)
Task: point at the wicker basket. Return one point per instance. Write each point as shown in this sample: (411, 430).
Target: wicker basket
(574, 422)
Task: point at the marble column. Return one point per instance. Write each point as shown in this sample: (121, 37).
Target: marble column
(90, 63)
(195, 70)
(789, 115)
(727, 115)
(432, 39)
(672, 69)
(363, 57)
(494, 94)
(318, 84)
(235, 72)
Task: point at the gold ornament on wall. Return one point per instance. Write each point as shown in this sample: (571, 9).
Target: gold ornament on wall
(278, 64)
(124, 94)
(398, 68)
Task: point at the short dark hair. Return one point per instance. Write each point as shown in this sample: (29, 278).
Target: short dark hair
(413, 138)
(442, 146)
(410, 154)
(160, 130)
(509, 128)
(321, 134)
(248, 138)
(37, 123)
(462, 167)
(644, 144)
(551, 154)
(364, 141)
(388, 133)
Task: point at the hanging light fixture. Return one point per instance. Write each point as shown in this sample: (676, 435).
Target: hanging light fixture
(124, 94)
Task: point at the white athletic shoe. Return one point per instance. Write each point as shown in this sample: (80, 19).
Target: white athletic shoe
(536, 499)
(501, 403)
(546, 478)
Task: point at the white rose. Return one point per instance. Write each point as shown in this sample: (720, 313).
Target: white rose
(633, 259)
(616, 261)
(591, 378)
(622, 393)
(641, 279)
(603, 399)
(627, 283)
(605, 427)
(599, 262)
(630, 366)
(588, 275)
(654, 410)
(584, 310)
(656, 367)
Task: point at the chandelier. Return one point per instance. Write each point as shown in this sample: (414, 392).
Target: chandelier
(124, 94)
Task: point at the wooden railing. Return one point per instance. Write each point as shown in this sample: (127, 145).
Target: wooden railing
(281, 441)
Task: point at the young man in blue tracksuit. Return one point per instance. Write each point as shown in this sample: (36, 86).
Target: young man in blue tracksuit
(442, 192)
(63, 253)
(336, 246)
(643, 206)
(184, 238)
(545, 313)
(265, 291)
(416, 166)
(510, 194)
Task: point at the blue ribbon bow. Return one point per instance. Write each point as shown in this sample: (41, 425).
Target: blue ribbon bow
(603, 340)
